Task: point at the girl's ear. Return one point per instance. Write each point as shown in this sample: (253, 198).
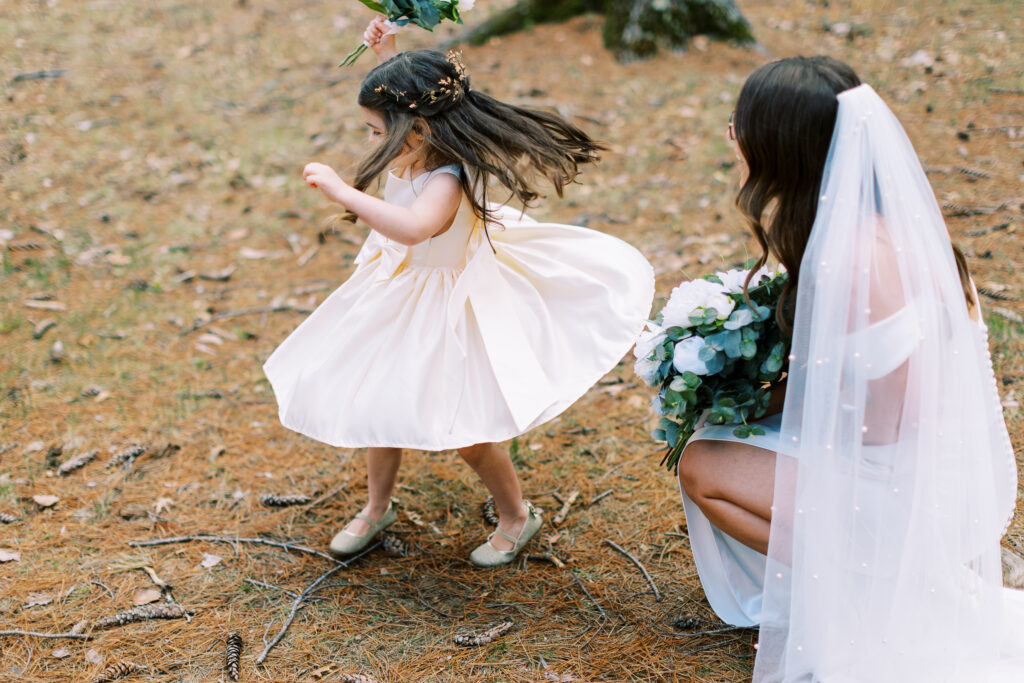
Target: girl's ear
(420, 128)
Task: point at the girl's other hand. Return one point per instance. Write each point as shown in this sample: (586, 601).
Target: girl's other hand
(326, 179)
(380, 36)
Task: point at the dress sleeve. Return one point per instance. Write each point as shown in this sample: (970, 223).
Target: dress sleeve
(421, 181)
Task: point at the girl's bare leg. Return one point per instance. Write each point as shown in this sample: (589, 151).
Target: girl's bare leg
(733, 485)
(381, 473)
(494, 467)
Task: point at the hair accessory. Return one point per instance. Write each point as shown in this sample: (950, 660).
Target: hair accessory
(449, 90)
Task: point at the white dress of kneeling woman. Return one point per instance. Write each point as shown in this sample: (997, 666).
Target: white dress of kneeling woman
(895, 478)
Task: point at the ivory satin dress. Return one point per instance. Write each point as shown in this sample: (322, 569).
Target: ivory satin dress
(450, 343)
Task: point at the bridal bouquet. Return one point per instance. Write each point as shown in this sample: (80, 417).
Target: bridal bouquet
(713, 349)
(424, 13)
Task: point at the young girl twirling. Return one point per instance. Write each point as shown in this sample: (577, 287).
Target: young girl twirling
(465, 323)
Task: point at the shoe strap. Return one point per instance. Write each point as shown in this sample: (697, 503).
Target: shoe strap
(366, 518)
(514, 540)
(510, 539)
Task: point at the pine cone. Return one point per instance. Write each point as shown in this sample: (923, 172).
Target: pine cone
(120, 669)
(332, 671)
(8, 518)
(127, 456)
(687, 622)
(274, 500)
(477, 639)
(234, 652)
(489, 513)
(145, 612)
(393, 545)
(80, 460)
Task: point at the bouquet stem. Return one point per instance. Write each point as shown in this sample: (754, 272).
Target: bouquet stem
(351, 58)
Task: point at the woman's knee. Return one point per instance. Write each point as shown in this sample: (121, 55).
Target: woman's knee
(696, 469)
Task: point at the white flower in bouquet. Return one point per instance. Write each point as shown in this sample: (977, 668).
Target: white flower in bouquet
(645, 368)
(686, 357)
(732, 280)
(688, 298)
(466, 5)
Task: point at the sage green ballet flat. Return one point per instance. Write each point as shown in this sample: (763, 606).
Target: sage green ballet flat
(346, 543)
(487, 555)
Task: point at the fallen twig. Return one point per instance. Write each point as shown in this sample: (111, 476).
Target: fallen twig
(228, 539)
(304, 594)
(261, 584)
(599, 497)
(330, 494)
(227, 315)
(37, 634)
(104, 587)
(579, 583)
(38, 75)
(564, 512)
(639, 565)
(546, 557)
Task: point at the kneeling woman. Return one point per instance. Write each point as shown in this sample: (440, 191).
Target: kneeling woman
(861, 531)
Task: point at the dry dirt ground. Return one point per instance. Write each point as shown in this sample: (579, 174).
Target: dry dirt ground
(150, 156)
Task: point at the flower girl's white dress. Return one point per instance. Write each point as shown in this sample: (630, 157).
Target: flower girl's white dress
(451, 343)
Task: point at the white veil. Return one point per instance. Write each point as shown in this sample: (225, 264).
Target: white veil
(895, 478)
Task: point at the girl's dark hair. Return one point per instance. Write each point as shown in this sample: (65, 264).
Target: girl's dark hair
(783, 124)
(471, 129)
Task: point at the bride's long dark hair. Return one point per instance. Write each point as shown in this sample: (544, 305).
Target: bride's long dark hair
(783, 124)
(426, 90)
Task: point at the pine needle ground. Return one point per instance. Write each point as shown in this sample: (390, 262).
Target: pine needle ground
(150, 157)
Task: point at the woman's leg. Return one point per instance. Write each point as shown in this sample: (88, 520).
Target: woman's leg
(381, 473)
(494, 467)
(733, 485)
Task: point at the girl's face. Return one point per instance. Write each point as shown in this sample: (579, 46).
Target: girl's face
(412, 151)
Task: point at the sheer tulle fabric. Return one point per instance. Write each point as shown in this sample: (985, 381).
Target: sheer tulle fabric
(895, 478)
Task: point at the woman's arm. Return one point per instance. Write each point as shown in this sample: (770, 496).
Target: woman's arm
(431, 213)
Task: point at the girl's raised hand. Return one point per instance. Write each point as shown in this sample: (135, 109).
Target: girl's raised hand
(380, 36)
(326, 179)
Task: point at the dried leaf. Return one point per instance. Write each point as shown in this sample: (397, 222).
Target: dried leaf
(210, 560)
(60, 653)
(93, 657)
(9, 556)
(46, 501)
(80, 628)
(162, 504)
(144, 596)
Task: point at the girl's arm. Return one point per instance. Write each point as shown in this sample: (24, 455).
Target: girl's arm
(381, 38)
(431, 213)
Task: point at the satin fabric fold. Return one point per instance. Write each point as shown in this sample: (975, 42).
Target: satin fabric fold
(451, 343)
